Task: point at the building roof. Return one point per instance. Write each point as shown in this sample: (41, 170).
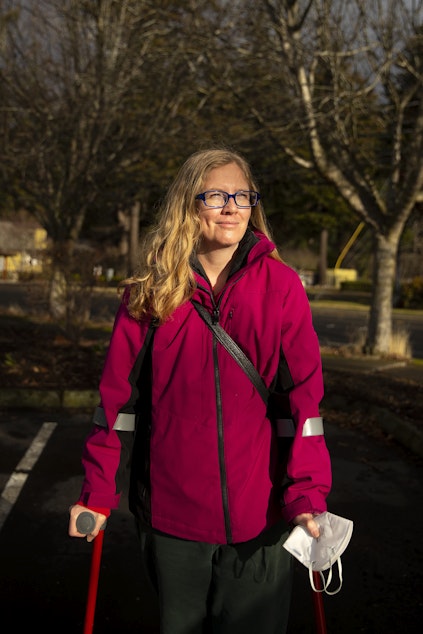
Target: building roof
(16, 237)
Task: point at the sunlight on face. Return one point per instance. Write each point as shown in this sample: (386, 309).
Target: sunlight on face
(224, 227)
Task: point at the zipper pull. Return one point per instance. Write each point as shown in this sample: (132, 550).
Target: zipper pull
(215, 315)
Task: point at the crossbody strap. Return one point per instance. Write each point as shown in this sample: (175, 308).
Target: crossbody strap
(234, 350)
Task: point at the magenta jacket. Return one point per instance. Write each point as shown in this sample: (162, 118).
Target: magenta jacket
(206, 461)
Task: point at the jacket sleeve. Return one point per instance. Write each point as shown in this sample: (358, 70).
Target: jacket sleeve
(309, 476)
(104, 456)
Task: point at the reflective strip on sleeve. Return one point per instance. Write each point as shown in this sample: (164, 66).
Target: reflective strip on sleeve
(285, 427)
(313, 426)
(123, 422)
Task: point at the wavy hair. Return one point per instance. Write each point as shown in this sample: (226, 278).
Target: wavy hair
(164, 279)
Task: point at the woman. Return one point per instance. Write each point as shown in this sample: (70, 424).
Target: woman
(213, 498)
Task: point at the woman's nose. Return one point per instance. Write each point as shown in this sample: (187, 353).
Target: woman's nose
(230, 206)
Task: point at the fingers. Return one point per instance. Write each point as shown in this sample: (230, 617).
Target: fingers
(309, 523)
(92, 536)
(313, 528)
(74, 512)
(89, 530)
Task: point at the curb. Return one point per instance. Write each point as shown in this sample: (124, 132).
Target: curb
(390, 424)
(406, 434)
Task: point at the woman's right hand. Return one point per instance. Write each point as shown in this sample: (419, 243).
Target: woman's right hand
(74, 512)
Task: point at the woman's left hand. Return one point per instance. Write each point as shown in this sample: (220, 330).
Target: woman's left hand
(307, 520)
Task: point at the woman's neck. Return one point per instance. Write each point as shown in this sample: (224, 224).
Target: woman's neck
(216, 265)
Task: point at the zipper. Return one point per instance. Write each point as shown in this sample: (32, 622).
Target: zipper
(220, 426)
(221, 447)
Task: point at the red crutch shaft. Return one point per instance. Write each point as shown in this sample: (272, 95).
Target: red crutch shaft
(319, 610)
(93, 583)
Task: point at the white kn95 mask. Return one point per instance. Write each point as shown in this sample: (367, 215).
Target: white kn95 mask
(321, 553)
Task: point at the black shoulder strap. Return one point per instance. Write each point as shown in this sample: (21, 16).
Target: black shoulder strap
(234, 350)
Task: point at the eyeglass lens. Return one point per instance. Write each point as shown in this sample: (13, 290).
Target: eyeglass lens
(220, 199)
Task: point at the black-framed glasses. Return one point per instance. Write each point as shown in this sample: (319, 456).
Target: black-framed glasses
(215, 198)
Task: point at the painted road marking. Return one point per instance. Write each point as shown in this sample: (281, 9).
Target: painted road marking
(18, 478)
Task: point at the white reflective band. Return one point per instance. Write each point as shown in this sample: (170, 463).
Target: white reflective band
(285, 427)
(123, 422)
(313, 427)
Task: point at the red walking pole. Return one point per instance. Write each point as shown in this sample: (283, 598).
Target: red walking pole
(85, 523)
(93, 583)
(319, 610)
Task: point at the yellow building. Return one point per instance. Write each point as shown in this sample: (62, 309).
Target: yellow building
(22, 249)
(334, 277)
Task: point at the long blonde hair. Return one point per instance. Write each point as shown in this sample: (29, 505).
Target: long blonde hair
(164, 279)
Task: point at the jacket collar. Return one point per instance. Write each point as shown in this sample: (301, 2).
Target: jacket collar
(244, 253)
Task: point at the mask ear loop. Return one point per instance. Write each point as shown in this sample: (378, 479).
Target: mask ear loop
(326, 582)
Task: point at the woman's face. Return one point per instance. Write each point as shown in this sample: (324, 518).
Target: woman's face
(223, 227)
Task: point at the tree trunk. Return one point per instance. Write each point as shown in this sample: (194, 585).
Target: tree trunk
(134, 237)
(380, 319)
(61, 256)
(71, 285)
(57, 294)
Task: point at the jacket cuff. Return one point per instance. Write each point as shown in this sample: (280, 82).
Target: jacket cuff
(99, 500)
(302, 505)
(96, 509)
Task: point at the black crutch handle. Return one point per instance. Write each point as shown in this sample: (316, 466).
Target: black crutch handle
(85, 523)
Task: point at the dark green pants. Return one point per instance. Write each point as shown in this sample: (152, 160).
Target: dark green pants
(220, 589)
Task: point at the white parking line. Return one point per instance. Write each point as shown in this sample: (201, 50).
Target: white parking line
(18, 478)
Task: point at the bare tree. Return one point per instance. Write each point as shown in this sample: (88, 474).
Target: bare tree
(357, 68)
(89, 91)
(92, 91)
(349, 74)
